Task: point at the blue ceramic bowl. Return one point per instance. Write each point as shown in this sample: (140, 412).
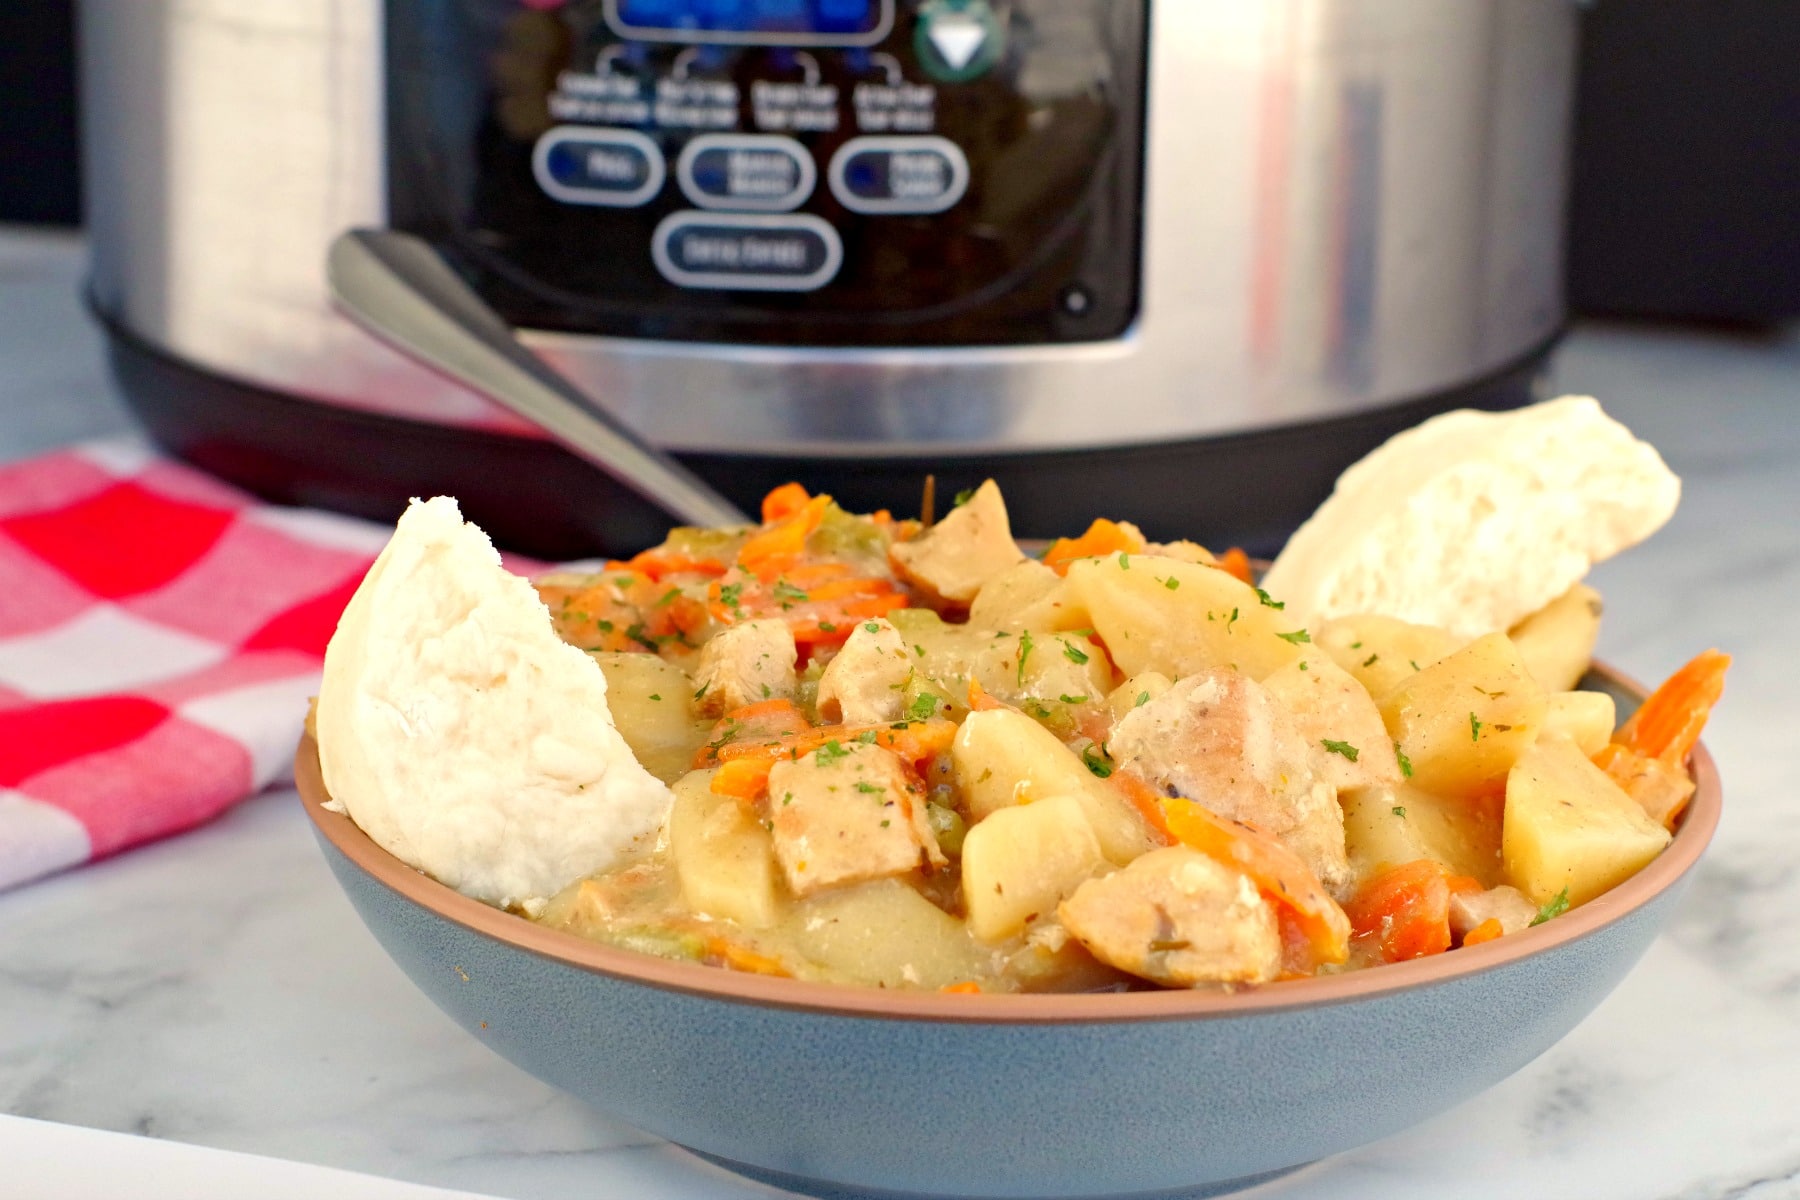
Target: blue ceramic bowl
(840, 1090)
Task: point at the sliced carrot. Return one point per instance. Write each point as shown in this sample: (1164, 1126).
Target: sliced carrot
(1404, 912)
(1145, 800)
(659, 563)
(743, 778)
(980, 700)
(778, 546)
(1647, 757)
(1236, 563)
(764, 721)
(1669, 722)
(1487, 931)
(784, 502)
(742, 958)
(779, 709)
(967, 987)
(1275, 869)
(1102, 537)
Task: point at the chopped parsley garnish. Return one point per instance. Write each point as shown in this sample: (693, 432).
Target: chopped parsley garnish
(1073, 699)
(1232, 620)
(919, 650)
(1399, 810)
(604, 626)
(830, 752)
(638, 634)
(1268, 601)
(1296, 637)
(1405, 762)
(1344, 748)
(872, 627)
(1474, 728)
(766, 691)
(785, 592)
(656, 695)
(1124, 561)
(1024, 652)
(666, 597)
(728, 733)
(701, 694)
(1559, 904)
(827, 627)
(732, 595)
(1370, 661)
(1074, 653)
(963, 497)
(1143, 699)
(866, 737)
(1414, 664)
(924, 705)
(1171, 583)
(1356, 645)
(867, 788)
(1096, 762)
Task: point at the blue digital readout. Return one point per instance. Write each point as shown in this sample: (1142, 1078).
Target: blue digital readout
(754, 22)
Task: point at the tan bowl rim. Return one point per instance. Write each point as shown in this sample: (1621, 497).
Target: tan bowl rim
(1690, 841)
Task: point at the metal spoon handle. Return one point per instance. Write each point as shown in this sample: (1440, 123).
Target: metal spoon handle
(397, 287)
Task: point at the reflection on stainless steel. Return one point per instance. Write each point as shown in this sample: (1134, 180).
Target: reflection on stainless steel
(1348, 202)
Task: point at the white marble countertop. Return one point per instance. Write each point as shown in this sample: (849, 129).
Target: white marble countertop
(217, 989)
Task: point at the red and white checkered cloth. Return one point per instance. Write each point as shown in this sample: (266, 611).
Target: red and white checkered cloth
(160, 634)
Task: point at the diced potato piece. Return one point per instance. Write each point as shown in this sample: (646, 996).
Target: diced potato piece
(1003, 758)
(1350, 745)
(1390, 827)
(1570, 827)
(1463, 721)
(1557, 641)
(1051, 960)
(1028, 595)
(885, 934)
(1382, 651)
(972, 544)
(1136, 692)
(1160, 614)
(722, 855)
(1020, 862)
(652, 703)
(1585, 718)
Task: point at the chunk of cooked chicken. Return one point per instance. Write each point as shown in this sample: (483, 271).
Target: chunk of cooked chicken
(1219, 738)
(745, 663)
(1338, 718)
(845, 813)
(1177, 917)
(971, 545)
(866, 682)
(1508, 905)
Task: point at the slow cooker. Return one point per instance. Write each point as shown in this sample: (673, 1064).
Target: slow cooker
(1177, 261)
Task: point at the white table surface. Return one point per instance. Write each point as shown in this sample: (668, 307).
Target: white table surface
(216, 988)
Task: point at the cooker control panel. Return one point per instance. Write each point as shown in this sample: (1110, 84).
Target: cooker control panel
(793, 172)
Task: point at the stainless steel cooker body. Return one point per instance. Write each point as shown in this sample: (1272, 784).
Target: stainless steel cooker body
(1347, 204)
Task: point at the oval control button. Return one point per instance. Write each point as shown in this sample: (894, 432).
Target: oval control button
(794, 253)
(899, 174)
(584, 164)
(746, 172)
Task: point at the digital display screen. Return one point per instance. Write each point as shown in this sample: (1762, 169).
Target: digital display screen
(753, 22)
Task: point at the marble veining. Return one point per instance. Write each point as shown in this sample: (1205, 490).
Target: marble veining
(216, 988)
